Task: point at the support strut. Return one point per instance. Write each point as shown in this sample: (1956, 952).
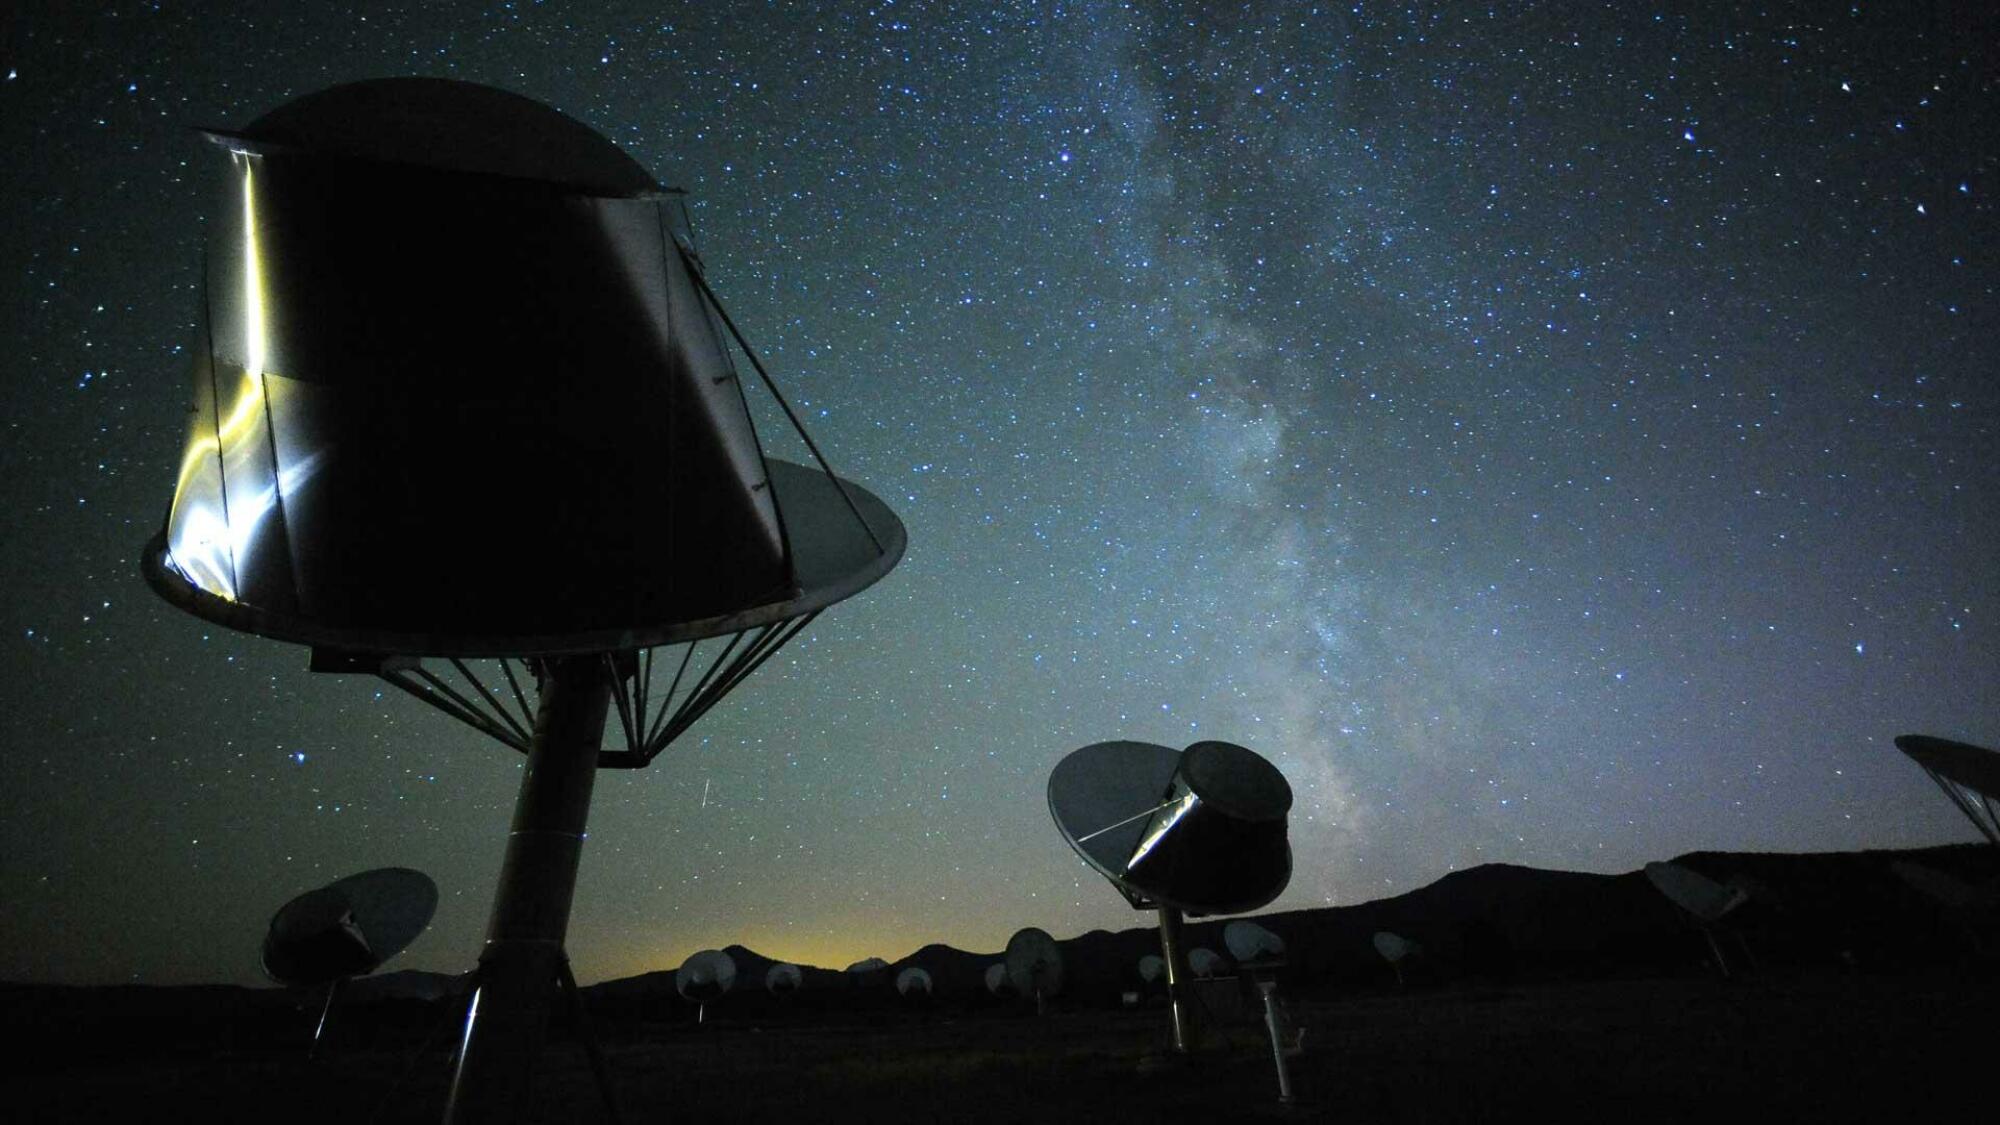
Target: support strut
(1179, 978)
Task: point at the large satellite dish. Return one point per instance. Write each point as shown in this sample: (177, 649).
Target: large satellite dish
(1395, 949)
(1204, 961)
(705, 976)
(1035, 965)
(1195, 831)
(462, 389)
(1252, 944)
(783, 979)
(1201, 829)
(1968, 774)
(1704, 899)
(913, 983)
(347, 929)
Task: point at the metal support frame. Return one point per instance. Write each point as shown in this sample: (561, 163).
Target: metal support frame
(649, 718)
(1977, 807)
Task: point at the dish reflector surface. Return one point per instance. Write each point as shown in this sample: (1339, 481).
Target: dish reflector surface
(1202, 830)
(1694, 892)
(1251, 943)
(706, 975)
(350, 927)
(1034, 963)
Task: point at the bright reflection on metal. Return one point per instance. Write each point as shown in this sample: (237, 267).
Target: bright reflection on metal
(210, 531)
(1152, 839)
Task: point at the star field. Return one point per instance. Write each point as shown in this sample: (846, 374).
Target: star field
(1552, 436)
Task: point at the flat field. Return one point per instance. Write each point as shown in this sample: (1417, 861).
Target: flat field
(1818, 1048)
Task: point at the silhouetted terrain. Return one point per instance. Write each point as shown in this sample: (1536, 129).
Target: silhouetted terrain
(1534, 988)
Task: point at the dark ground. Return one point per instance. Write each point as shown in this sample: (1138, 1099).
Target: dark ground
(1813, 1047)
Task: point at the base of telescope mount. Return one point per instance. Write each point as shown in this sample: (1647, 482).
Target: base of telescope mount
(523, 962)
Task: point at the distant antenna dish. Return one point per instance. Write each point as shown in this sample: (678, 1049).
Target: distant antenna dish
(1946, 890)
(1252, 944)
(996, 979)
(1204, 961)
(1706, 900)
(1199, 831)
(1694, 892)
(913, 982)
(1035, 965)
(409, 281)
(783, 979)
(1152, 967)
(704, 978)
(1396, 949)
(706, 975)
(348, 928)
(1968, 774)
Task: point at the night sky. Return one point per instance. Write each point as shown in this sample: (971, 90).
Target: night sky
(1552, 436)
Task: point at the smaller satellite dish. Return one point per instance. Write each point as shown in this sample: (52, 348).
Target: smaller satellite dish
(1204, 962)
(783, 979)
(1703, 898)
(996, 979)
(348, 928)
(1035, 964)
(1252, 944)
(913, 983)
(1394, 948)
(1946, 890)
(1152, 967)
(1694, 892)
(706, 975)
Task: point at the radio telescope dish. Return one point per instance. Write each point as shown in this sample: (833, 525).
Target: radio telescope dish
(1201, 829)
(1204, 961)
(348, 928)
(1394, 948)
(1151, 968)
(996, 979)
(783, 979)
(706, 975)
(1198, 831)
(1706, 900)
(1946, 890)
(1252, 944)
(1034, 964)
(1969, 775)
(913, 982)
(1694, 892)
(412, 285)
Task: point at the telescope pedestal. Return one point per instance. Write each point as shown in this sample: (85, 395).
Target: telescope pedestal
(1179, 978)
(523, 959)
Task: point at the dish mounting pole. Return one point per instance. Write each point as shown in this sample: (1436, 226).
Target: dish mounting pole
(523, 960)
(1179, 978)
